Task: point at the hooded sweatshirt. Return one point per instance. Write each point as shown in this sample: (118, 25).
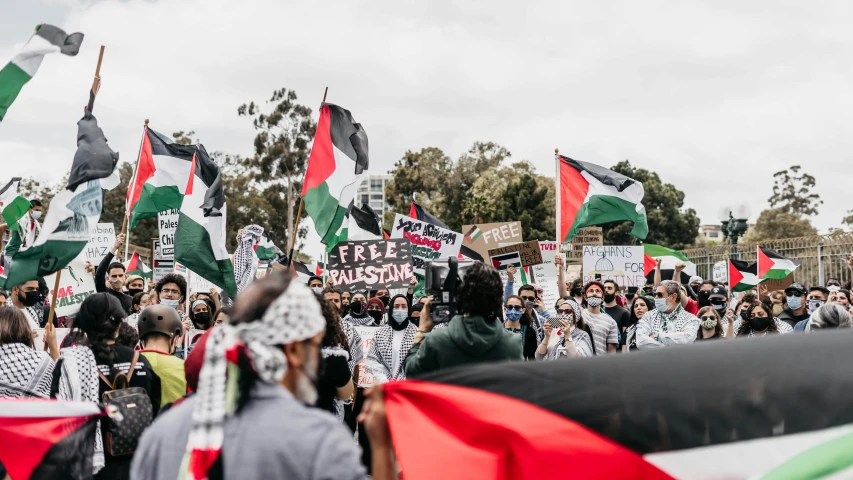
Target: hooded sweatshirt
(465, 341)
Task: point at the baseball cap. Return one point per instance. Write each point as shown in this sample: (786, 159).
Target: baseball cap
(719, 292)
(797, 287)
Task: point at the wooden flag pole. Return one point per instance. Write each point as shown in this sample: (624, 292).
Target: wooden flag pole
(53, 297)
(96, 82)
(295, 231)
(132, 190)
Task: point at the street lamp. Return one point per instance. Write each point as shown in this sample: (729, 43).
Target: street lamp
(734, 223)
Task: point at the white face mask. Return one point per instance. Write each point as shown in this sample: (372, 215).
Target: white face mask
(36, 215)
(169, 303)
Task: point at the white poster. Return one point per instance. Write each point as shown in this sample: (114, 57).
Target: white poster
(625, 265)
(102, 236)
(429, 242)
(545, 274)
(167, 222)
(721, 271)
(74, 286)
(161, 267)
(365, 378)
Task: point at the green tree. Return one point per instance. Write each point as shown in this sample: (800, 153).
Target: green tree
(423, 173)
(775, 223)
(525, 200)
(33, 189)
(792, 192)
(848, 219)
(281, 154)
(669, 224)
(481, 158)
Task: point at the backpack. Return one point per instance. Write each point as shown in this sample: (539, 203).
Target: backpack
(136, 412)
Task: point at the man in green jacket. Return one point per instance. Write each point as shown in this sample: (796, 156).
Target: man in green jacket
(476, 336)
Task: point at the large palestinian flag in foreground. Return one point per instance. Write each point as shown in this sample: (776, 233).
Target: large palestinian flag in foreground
(774, 266)
(47, 439)
(669, 258)
(200, 236)
(163, 175)
(742, 276)
(588, 195)
(339, 159)
(643, 416)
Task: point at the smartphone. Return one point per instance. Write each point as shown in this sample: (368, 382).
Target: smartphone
(554, 322)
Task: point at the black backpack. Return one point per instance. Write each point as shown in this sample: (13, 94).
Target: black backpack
(136, 412)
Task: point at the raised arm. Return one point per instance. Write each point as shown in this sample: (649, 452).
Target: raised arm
(561, 276)
(657, 271)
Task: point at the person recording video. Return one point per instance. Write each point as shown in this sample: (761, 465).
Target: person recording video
(476, 336)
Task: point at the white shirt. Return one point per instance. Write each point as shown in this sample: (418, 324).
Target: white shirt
(397, 346)
(33, 321)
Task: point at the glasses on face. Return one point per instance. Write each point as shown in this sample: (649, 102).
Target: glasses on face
(660, 295)
(529, 299)
(517, 308)
(709, 317)
(565, 311)
(169, 291)
(794, 294)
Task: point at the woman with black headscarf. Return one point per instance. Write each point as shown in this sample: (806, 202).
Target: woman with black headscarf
(392, 342)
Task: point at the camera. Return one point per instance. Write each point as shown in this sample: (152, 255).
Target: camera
(443, 282)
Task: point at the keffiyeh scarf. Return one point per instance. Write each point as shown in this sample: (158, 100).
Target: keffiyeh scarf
(245, 259)
(78, 381)
(381, 355)
(34, 313)
(24, 372)
(292, 317)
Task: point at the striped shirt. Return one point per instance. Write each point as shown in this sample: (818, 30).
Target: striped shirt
(604, 330)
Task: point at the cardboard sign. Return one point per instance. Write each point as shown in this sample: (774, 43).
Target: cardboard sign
(430, 243)
(721, 271)
(75, 284)
(773, 285)
(573, 272)
(365, 378)
(484, 236)
(167, 223)
(586, 236)
(102, 236)
(528, 253)
(624, 265)
(371, 264)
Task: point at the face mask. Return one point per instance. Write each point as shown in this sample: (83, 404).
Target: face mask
(399, 316)
(376, 315)
(317, 290)
(795, 303)
(29, 298)
(36, 215)
(576, 292)
(513, 315)
(704, 300)
(170, 303)
(202, 318)
(609, 297)
(744, 316)
(814, 305)
(777, 310)
(661, 305)
(718, 306)
(833, 288)
(709, 324)
(385, 299)
(133, 291)
(759, 323)
(593, 302)
(357, 307)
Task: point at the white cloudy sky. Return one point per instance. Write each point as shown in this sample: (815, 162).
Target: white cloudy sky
(715, 96)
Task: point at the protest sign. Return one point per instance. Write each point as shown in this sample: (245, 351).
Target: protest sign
(526, 253)
(624, 265)
(371, 264)
(262, 270)
(75, 284)
(429, 242)
(573, 272)
(167, 223)
(160, 266)
(585, 237)
(773, 285)
(365, 378)
(545, 274)
(38, 340)
(485, 236)
(102, 236)
(721, 271)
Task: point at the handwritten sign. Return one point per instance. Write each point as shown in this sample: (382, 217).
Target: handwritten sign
(102, 236)
(484, 236)
(371, 264)
(365, 378)
(75, 284)
(721, 271)
(429, 242)
(546, 273)
(587, 236)
(161, 266)
(529, 253)
(624, 265)
(167, 223)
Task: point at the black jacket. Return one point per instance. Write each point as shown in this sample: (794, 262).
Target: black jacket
(101, 283)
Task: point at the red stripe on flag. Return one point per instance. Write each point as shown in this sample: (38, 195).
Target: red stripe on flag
(133, 264)
(25, 440)
(650, 264)
(413, 211)
(190, 180)
(321, 163)
(483, 435)
(573, 190)
(765, 264)
(144, 171)
(735, 277)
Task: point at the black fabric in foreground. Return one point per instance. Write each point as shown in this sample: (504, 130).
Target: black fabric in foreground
(687, 396)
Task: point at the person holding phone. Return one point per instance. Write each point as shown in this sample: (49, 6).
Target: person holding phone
(565, 334)
(518, 322)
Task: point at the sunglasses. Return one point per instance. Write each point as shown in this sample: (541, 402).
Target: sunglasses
(795, 294)
(529, 299)
(566, 311)
(517, 308)
(709, 317)
(660, 295)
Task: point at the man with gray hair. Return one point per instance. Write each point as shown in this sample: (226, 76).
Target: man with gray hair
(668, 324)
(829, 316)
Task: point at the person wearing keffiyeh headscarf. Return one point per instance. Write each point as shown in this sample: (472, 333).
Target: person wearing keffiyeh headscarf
(245, 259)
(263, 364)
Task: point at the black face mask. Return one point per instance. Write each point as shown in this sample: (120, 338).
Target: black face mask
(357, 308)
(376, 315)
(609, 297)
(744, 315)
(134, 291)
(385, 299)
(704, 298)
(759, 323)
(29, 298)
(202, 318)
(577, 292)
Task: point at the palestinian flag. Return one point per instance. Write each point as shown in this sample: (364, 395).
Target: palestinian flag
(502, 262)
(773, 266)
(669, 258)
(13, 207)
(359, 224)
(200, 236)
(164, 174)
(135, 266)
(592, 195)
(781, 418)
(466, 253)
(319, 269)
(742, 276)
(417, 211)
(47, 439)
(473, 234)
(265, 249)
(23, 66)
(73, 210)
(339, 159)
(302, 271)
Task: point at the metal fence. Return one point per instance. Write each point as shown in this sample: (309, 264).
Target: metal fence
(823, 256)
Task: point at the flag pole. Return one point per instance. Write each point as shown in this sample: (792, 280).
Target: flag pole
(295, 231)
(53, 297)
(557, 188)
(132, 189)
(96, 83)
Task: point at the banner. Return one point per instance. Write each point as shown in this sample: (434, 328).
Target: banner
(74, 286)
(721, 271)
(102, 236)
(526, 253)
(365, 378)
(429, 242)
(168, 223)
(485, 236)
(587, 236)
(624, 265)
(371, 264)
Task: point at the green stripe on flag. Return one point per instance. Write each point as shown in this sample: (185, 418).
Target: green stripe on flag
(154, 200)
(601, 209)
(12, 80)
(15, 211)
(42, 260)
(325, 210)
(653, 250)
(817, 462)
(193, 249)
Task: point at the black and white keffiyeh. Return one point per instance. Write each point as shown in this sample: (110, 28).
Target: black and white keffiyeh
(34, 314)
(380, 358)
(24, 372)
(292, 317)
(78, 381)
(354, 341)
(245, 259)
(658, 329)
(365, 321)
